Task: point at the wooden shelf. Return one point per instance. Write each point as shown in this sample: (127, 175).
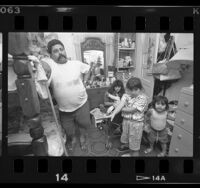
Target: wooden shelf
(126, 49)
(129, 67)
(125, 68)
(123, 52)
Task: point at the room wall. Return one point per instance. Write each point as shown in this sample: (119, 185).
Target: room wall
(72, 43)
(68, 41)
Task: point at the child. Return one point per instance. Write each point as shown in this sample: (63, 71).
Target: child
(112, 99)
(114, 94)
(133, 105)
(156, 127)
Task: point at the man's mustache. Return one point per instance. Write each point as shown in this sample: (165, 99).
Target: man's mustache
(61, 56)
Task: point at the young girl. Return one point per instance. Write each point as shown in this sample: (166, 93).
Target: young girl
(112, 99)
(114, 93)
(133, 105)
(156, 127)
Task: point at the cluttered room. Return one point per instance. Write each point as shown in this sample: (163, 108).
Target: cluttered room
(100, 94)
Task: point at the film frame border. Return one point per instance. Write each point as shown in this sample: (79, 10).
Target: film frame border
(108, 169)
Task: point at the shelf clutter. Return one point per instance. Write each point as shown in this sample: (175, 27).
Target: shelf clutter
(126, 52)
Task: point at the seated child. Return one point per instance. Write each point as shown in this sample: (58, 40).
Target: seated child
(156, 126)
(112, 99)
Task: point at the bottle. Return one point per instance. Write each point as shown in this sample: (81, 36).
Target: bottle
(107, 82)
(126, 42)
(133, 45)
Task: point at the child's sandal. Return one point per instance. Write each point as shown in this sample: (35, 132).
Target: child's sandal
(149, 150)
(162, 154)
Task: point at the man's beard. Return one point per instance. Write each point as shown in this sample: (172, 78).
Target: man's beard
(62, 59)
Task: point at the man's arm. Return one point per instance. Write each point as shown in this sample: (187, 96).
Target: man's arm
(86, 71)
(86, 76)
(42, 76)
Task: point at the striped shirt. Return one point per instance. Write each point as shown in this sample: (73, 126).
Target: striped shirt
(139, 102)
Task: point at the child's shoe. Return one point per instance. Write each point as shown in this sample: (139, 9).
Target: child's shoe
(148, 150)
(162, 154)
(123, 148)
(126, 155)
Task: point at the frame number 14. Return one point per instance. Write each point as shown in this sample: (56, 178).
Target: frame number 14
(60, 178)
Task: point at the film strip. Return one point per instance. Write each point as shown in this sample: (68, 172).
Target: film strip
(113, 30)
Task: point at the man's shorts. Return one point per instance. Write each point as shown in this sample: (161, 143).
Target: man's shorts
(79, 118)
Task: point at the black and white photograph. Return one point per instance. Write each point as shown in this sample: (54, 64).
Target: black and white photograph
(100, 94)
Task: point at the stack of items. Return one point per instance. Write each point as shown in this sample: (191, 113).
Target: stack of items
(126, 43)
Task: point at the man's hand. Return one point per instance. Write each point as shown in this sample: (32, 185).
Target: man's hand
(10, 59)
(85, 83)
(35, 60)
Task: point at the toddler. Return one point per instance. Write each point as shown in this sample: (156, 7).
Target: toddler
(156, 127)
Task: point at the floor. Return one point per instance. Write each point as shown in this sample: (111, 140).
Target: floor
(19, 132)
(97, 145)
(96, 139)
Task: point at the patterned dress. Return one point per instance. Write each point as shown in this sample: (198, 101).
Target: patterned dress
(133, 122)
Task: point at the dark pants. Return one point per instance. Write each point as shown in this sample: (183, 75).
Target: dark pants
(80, 119)
(117, 121)
(155, 136)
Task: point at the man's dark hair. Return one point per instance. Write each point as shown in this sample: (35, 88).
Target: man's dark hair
(53, 43)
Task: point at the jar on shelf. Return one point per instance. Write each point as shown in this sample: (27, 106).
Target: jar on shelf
(126, 42)
(133, 45)
(121, 62)
(129, 43)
